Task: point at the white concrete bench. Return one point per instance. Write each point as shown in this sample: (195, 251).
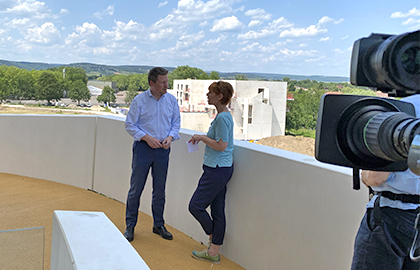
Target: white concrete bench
(89, 240)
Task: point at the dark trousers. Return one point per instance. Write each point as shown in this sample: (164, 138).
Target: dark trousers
(211, 191)
(144, 158)
(384, 240)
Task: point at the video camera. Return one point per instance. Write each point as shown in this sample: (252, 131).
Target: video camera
(369, 132)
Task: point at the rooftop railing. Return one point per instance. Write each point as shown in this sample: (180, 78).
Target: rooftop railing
(284, 210)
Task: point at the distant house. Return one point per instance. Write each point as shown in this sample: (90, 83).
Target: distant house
(258, 108)
(102, 84)
(94, 91)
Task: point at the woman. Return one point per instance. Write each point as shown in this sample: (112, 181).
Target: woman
(218, 169)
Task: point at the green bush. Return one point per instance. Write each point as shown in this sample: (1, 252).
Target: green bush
(302, 132)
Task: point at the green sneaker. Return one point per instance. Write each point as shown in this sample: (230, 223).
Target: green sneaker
(205, 256)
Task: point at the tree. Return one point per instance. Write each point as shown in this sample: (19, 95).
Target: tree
(186, 72)
(74, 74)
(4, 84)
(131, 94)
(139, 81)
(107, 96)
(4, 88)
(214, 75)
(48, 87)
(303, 110)
(78, 91)
(25, 85)
(240, 77)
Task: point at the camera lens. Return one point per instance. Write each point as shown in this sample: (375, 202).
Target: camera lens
(410, 60)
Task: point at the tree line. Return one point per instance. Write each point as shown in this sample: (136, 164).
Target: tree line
(50, 85)
(53, 84)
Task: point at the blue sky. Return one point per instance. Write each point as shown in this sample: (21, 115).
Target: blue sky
(299, 37)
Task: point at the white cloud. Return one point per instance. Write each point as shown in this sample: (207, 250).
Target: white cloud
(27, 7)
(109, 11)
(87, 34)
(412, 12)
(64, 11)
(338, 51)
(312, 30)
(315, 59)
(226, 24)
(187, 41)
(254, 23)
(190, 10)
(126, 31)
(18, 23)
(273, 28)
(303, 45)
(326, 19)
(24, 47)
(258, 14)
(161, 34)
(162, 4)
(280, 23)
(101, 50)
(44, 34)
(414, 24)
(346, 37)
(87, 29)
(325, 39)
(410, 21)
(256, 35)
(214, 42)
(202, 24)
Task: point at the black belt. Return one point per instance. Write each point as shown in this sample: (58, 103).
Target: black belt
(405, 198)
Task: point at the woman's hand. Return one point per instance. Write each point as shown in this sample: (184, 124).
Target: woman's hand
(196, 138)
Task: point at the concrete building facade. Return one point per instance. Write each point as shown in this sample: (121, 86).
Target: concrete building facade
(258, 107)
(102, 84)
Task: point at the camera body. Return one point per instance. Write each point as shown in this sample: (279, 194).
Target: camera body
(389, 63)
(369, 132)
(341, 133)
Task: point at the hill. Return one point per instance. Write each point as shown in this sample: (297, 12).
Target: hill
(105, 70)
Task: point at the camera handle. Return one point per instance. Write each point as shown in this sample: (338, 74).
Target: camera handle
(415, 246)
(356, 179)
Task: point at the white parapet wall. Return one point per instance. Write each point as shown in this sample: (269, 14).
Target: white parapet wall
(89, 240)
(284, 210)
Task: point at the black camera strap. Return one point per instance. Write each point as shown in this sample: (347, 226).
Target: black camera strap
(415, 247)
(405, 198)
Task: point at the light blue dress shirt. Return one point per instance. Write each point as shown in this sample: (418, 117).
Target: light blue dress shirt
(400, 182)
(156, 118)
(221, 129)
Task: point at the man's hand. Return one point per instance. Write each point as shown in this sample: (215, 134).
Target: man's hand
(166, 143)
(152, 141)
(374, 178)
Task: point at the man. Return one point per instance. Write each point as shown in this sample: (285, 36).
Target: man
(153, 121)
(387, 230)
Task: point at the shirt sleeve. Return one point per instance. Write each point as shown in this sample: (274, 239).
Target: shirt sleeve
(131, 121)
(176, 121)
(222, 130)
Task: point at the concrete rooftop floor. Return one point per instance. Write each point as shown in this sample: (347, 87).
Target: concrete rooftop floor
(28, 202)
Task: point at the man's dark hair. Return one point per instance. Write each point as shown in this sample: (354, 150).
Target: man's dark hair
(155, 72)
